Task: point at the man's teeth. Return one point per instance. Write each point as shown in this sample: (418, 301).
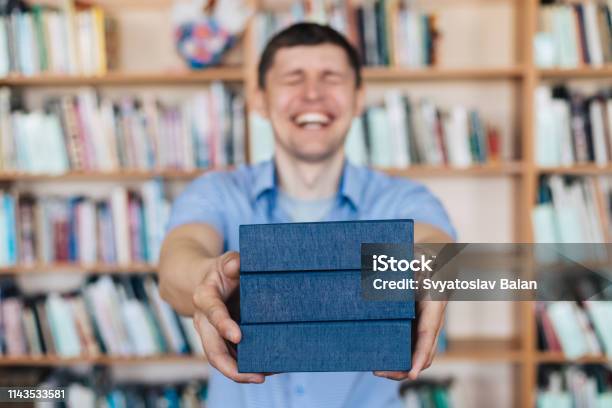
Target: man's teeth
(312, 118)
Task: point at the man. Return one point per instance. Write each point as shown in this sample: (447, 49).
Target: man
(310, 90)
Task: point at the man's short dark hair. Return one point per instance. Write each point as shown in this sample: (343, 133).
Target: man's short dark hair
(306, 34)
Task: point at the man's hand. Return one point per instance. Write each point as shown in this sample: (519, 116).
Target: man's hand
(430, 316)
(212, 319)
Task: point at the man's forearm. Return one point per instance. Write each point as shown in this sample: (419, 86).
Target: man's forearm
(185, 256)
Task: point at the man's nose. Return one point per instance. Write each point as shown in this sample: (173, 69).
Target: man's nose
(313, 90)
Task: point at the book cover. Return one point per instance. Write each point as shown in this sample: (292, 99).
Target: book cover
(330, 346)
(280, 297)
(315, 246)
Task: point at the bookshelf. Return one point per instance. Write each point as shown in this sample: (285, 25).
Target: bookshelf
(587, 169)
(482, 351)
(523, 74)
(571, 73)
(129, 175)
(228, 74)
(77, 268)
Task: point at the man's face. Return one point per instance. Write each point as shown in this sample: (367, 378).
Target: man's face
(310, 98)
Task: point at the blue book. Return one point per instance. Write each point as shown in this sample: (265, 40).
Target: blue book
(315, 245)
(329, 346)
(312, 296)
(301, 306)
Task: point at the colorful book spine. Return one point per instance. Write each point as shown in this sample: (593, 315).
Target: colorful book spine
(91, 133)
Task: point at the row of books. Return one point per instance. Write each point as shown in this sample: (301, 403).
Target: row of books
(60, 40)
(8, 232)
(126, 227)
(573, 210)
(386, 32)
(426, 393)
(189, 395)
(116, 316)
(588, 386)
(403, 132)
(93, 133)
(574, 34)
(575, 329)
(572, 127)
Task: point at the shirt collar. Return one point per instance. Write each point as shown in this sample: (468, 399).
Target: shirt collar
(265, 180)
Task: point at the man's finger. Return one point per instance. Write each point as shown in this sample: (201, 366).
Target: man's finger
(392, 375)
(429, 324)
(218, 356)
(207, 299)
(229, 266)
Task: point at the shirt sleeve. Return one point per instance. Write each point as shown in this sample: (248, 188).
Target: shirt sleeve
(200, 202)
(415, 201)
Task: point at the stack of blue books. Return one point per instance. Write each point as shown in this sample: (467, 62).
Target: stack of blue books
(301, 304)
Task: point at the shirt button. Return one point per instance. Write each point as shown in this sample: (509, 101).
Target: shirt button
(299, 390)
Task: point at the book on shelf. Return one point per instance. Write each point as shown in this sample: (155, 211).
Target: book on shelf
(427, 392)
(103, 387)
(88, 132)
(573, 210)
(385, 32)
(186, 395)
(125, 227)
(588, 386)
(573, 128)
(114, 316)
(400, 132)
(574, 34)
(8, 233)
(70, 39)
(575, 330)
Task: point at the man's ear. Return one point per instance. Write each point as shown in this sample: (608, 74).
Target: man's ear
(359, 101)
(259, 102)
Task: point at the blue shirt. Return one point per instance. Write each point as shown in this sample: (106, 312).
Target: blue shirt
(249, 195)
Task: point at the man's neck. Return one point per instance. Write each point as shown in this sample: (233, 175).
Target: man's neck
(309, 181)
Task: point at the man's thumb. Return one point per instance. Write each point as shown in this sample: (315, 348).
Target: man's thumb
(231, 264)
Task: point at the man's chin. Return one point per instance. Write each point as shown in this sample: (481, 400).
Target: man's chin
(315, 156)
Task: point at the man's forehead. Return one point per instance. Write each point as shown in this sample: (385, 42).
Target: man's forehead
(323, 56)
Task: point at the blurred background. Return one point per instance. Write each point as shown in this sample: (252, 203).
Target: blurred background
(503, 108)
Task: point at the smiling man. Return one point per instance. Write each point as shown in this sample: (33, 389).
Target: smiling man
(310, 89)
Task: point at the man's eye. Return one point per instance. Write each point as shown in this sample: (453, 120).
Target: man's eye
(333, 78)
(292, 80)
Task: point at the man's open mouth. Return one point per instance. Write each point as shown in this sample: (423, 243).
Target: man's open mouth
(313, 120)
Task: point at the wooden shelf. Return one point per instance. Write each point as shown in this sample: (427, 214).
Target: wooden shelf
(501, 169)
(231, 73)
(584, 169)
(582, 72)
(236, 74)
(476, 350)
(101, 360)
(557, 357)
(77, 268)
(511, 168)
(121, 175)
(407, 74)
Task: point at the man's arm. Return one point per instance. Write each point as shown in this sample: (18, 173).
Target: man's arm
(196, 279)
(185, 257)
(430, 314)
